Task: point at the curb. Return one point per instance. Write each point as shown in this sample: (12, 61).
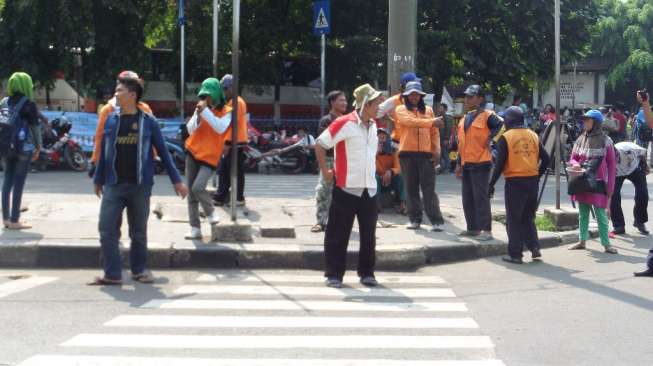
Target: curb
(50, 255)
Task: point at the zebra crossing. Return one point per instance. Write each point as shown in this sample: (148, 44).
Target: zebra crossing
(289, 319)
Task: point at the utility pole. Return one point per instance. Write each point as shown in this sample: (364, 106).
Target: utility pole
(402, 40)
(558, 150)
(235, 47)
(216, 19)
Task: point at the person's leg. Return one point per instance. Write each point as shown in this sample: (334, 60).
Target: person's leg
(192, 169)
(583, 221)
(528, 218)
(444, 158)
(367, 216)
(468, 201)
(514, 207)
(602, 220)
(20, 176)
(410, 172)
(204, 174)
(138, 210)
(640, 212)
(240, 194)
(9, 169)
(224, 179)
(480, 187)
(616, 213)
(430, 199)
(338, 231)
(323, 195)
(398, 186)
(111, 208)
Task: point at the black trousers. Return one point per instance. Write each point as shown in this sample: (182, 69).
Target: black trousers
(419, 172)
(224, 182)
(638, 178)
(521, 205)
(476, 198)
(344, 208)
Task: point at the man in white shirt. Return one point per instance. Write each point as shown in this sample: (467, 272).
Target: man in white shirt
(354, 140)
(631, 165)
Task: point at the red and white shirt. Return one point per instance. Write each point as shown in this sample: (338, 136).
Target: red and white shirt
(354, 154)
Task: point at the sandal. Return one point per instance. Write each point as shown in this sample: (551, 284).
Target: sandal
(611, 250)
(143, 277)
(103, 281)
(577, 246)
(317, 228)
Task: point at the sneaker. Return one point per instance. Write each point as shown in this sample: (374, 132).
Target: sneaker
(468, 233)
(642, 229)
(214, 218)
(536, 254)
(485, 236)
(194, 233)
(333, 282)
(509, 259)
(436, 228)
(413, 226)
(369, 281)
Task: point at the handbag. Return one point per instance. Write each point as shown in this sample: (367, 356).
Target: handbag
(585, 184)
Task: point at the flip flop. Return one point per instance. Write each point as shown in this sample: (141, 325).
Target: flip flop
(103, 281)
(143, 278)
(317, 228)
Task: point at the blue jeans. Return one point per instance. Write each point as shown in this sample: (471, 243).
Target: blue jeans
(136, 199)
(15, 169)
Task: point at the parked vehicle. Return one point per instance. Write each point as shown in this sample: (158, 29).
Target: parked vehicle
(59, 148)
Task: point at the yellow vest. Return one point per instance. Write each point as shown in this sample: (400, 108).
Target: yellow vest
(523, 153)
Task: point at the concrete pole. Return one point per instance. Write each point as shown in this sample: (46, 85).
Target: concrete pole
(402, 40)
(235, 44)
(216, 18)
(183, 71)
(558, 153)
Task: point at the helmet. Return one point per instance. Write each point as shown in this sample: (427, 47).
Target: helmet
(62, 125)
(513, 117)
(594, 114)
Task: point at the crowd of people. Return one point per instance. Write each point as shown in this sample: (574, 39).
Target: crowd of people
(393, 146)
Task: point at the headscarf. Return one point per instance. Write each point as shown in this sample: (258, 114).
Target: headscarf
(592, 144)
(20, 82)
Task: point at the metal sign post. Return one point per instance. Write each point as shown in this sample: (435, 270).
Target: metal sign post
(182, 25)
(322, 27)
(557, 78)
(235, 47)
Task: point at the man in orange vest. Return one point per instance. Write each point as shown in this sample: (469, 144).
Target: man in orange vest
(522, 159)
(224, 169)
(475, 132)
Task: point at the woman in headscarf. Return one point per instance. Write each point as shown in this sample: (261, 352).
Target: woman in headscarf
(594, 153)
(27, 144)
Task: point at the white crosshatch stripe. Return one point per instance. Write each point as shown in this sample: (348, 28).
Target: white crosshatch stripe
(306, 305)
(16, 286)
(263, 277)
(58, 360)
(181, 321)
(277, 342)
(317, 291)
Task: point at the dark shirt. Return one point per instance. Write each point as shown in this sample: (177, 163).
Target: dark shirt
(127, 148)
(30, 115)
(502, 156)
(325, 122)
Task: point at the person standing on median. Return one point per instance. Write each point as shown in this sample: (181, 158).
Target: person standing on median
(205, 145)
(338, 106)
(647, 115)
(522, 159)
(224, 184)
(123, 180)
(419, 154)
(355, 141)
(475, 133)
(388, 107)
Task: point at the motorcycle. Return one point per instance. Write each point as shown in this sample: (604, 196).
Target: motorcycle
(60, 148)
(292, 159)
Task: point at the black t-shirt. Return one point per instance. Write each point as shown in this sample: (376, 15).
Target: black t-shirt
(127, 148)
(325, 122)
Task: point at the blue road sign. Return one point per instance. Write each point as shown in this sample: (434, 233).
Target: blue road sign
(321, 17)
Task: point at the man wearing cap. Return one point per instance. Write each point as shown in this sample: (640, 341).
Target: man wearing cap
(388, 178)
(353, 136)
(387, 108)
(124, 179)
(220, 196)
(205, 145)
(419, 154)
(475, 132)
(522, 159)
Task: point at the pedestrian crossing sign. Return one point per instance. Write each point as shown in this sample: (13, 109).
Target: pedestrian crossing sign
(321, 17)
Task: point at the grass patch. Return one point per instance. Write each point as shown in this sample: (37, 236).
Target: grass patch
(542, 222)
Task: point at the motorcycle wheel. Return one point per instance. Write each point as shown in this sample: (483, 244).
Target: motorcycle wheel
(76, 159)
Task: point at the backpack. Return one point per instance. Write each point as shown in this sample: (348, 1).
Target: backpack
(10, 127)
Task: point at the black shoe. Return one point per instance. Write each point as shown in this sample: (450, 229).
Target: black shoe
(646, 273)
(536, 254)
(512, 260)
(369, 281)
(619, 231)
(218, 203)
(333, 282)
(642, 229)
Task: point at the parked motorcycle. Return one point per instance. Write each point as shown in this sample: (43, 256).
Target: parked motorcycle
(177, 152)
(59, 148)
(292, 159)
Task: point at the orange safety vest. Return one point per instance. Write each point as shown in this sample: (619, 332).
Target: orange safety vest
(205, 144)
(396, 129)
(243, 136)
(474, 144)
(523, 153)
(106, 110)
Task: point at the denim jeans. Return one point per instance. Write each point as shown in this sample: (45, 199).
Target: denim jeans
(15, 173)
(136, 199)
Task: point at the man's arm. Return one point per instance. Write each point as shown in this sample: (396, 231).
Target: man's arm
(159, 143)
(99, 131)
(406, 118)
(502, 156)
(545, 159)
(646, 106)
(494, 123)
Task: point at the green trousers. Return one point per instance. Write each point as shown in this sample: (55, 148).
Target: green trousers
(584, 222)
